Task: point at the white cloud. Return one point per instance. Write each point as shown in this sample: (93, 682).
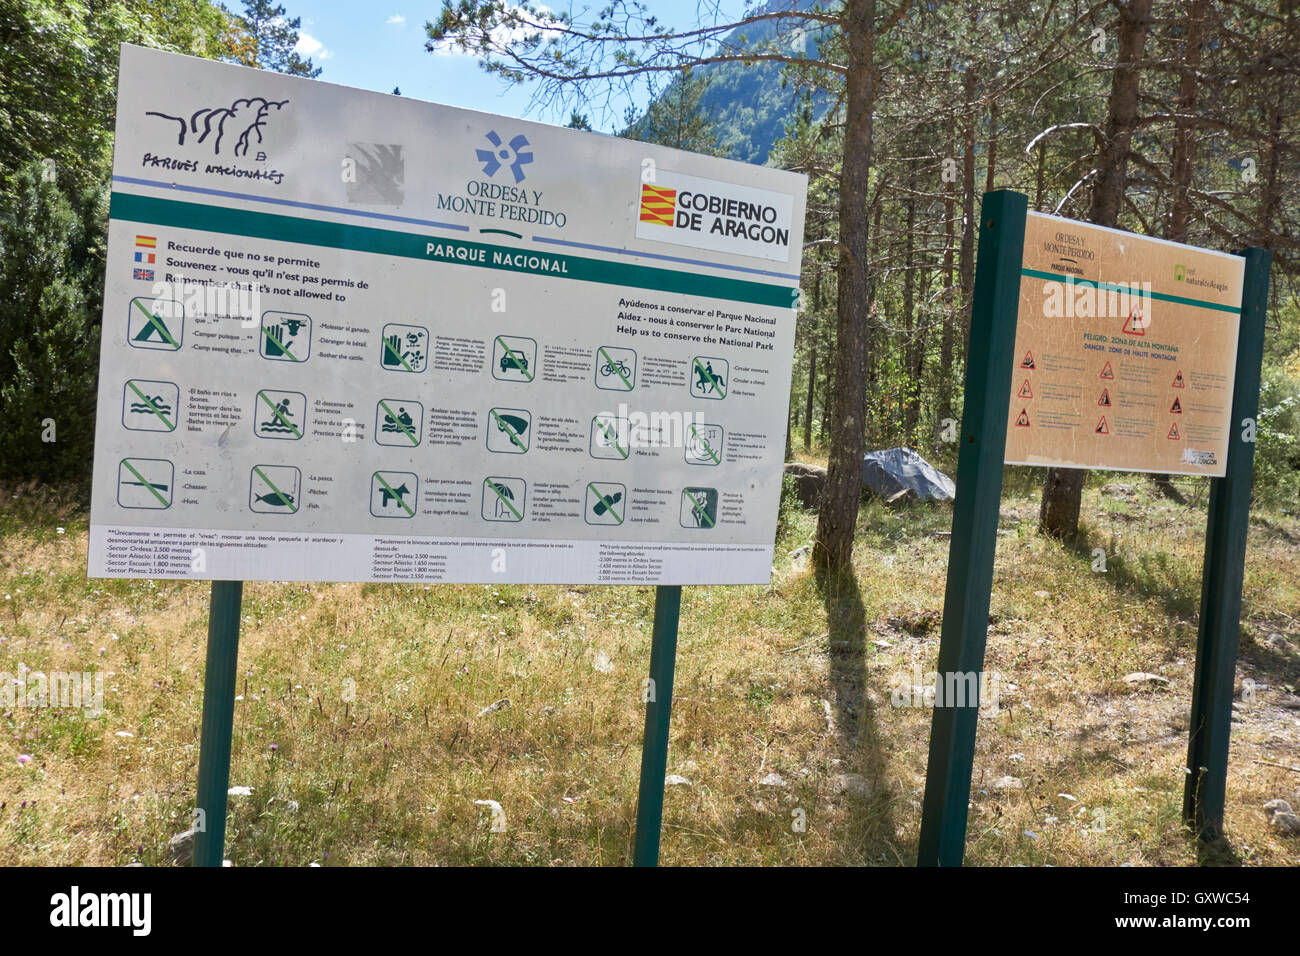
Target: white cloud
(396, 20)
(309, 46)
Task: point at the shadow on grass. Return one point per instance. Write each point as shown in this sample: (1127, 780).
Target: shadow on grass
(1147, 575)
(870, 832)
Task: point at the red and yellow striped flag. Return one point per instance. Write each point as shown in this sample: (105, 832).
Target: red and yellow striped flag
(148, 242)
(657, 204)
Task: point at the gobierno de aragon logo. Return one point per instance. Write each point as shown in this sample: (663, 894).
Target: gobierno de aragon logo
(722, 217)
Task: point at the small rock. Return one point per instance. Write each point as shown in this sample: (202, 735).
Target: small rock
(1118, 490)
(1285, 823)
(676, 780)
(772, 780)
(1142, 677)
(1289, 701)
(602, 663)
(1274, 807)
(502, 704)
(1278, 642)
(798, 554)
(133, 864)
(851, 783)
(1007, 783)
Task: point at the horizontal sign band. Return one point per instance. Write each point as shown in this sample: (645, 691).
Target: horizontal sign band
(335, 235)
(1112, 287)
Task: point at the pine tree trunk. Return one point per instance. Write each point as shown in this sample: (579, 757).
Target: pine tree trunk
(1063, 488)
(837, 521)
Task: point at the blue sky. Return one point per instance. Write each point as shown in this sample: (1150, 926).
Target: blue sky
(378, 46)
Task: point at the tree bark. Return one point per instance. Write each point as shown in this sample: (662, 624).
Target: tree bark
(837, 521)
(1063, 489)
(1180, 209)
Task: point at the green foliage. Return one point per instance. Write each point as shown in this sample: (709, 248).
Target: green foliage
(268, 38)
(1277, 449)
(48, 336)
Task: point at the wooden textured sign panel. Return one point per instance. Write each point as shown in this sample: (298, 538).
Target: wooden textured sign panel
(1125, 351)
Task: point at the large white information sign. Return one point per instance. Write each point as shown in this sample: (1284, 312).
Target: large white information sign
(355, 337)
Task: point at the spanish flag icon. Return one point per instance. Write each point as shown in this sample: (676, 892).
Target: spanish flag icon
(657, 204)
(147, 242)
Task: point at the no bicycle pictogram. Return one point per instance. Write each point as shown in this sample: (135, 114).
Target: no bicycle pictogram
(615, 368)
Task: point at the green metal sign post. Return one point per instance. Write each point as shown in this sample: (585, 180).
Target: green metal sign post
(218, 721)
(1204, 791)
(658, 711)
(974, 524)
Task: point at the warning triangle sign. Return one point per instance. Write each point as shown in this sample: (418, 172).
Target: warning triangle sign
(1023, 420)
(1176, 407)
(1107, 372)
(1026, 391)
(1105, 397)
(1178, 380)
(1102, 428)
(1135, 324)
(1028, 360)
(1173, 431)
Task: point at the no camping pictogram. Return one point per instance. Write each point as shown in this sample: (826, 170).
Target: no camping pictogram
(155, 324)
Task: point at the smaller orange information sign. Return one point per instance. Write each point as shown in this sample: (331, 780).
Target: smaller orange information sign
(1142, 329)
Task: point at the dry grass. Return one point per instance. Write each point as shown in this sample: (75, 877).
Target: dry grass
(793, 679)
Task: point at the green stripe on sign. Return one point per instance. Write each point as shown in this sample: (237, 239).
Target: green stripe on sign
(408, 245)
(1112, 287)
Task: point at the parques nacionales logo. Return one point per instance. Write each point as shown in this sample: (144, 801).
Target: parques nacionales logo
(237, 129)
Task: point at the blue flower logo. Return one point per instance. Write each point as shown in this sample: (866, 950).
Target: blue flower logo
(512, 154)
